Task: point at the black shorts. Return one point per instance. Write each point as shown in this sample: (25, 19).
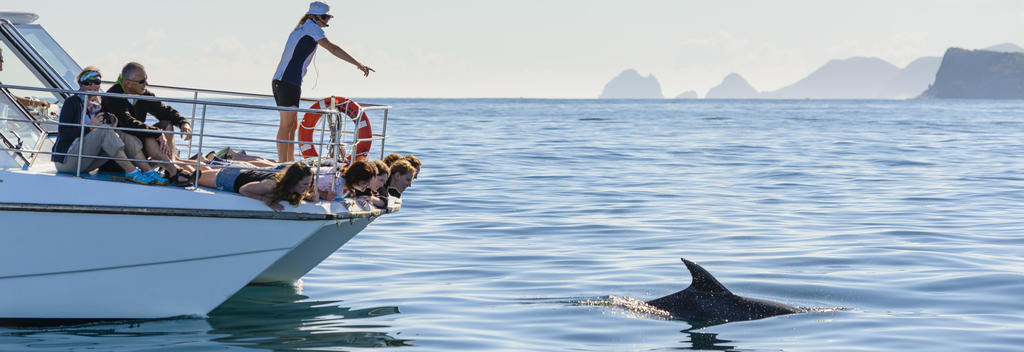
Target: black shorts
(286, 94)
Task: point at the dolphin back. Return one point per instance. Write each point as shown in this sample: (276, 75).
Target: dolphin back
(702, 280)
(707, 300)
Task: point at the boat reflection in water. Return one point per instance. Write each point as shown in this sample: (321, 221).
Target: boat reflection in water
(278, 317)
(272, 317)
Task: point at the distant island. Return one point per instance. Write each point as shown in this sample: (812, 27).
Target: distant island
(631, 85)
(978, 74)
(733, 86)
(690, 94)
(995, 72)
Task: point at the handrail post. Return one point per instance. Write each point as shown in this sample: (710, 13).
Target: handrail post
(192, 122)
(383, 134)
(336, 137)
(199, 159)
(81, 135)
(323, 127)
(355, 134)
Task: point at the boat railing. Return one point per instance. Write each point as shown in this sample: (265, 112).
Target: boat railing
(195, 96)
(334, 149)
(195, 92)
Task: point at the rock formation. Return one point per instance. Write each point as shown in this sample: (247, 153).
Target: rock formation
(630, 85)
(978, 74)
(732, 87)
(687, 95)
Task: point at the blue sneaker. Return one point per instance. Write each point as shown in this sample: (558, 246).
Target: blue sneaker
(137, 176)
(155, 177)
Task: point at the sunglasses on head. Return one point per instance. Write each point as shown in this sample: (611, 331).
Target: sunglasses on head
(89, 82)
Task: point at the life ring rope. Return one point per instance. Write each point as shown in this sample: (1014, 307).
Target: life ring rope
(349, 107)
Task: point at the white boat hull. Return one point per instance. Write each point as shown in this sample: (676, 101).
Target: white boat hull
(121, 251)
(313, 250)
(107, 266)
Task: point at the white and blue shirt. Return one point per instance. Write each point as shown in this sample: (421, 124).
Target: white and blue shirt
(298, 52)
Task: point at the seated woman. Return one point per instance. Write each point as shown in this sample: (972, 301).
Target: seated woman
(96, 141)
(291, 184)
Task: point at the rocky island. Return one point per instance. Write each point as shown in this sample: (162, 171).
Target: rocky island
(978, 74)
(631, 85)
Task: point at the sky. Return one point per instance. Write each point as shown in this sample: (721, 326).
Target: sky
(525, 48)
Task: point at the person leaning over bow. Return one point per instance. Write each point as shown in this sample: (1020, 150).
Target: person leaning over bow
(132, 114)
(298, 52)
(97, 141)
(400, 178)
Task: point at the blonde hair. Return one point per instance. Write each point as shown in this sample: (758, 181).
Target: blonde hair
(307, 17)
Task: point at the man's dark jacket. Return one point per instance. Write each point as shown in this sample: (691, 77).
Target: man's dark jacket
(134, 116)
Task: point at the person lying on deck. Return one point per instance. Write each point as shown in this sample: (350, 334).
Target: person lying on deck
(359, 182)
(400, 178)
(292, 184)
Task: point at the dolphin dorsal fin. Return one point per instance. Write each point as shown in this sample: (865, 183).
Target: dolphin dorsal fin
(702, 279)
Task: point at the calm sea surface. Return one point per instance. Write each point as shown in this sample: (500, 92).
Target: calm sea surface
(900, 222)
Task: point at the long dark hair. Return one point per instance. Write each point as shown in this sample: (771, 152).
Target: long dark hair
(285, 181)
(359, 171)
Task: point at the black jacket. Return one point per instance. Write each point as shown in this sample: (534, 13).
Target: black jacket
(134, 116)
(71, 112)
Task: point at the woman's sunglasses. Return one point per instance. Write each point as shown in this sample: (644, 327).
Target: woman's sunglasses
(89, 82)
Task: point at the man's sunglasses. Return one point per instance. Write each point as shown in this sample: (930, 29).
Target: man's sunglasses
(142, 82)
(89, 82)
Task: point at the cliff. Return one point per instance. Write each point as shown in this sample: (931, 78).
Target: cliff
(978, 74)
(630, 85)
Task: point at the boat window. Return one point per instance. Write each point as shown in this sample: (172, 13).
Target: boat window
(14, 71)
(51, 52)
(16, 132)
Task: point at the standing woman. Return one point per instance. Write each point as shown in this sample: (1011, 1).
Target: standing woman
(298, 52)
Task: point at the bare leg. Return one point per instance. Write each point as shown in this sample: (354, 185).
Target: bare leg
(208, 178)
(152, 148)
(170, 141)
(133, 148)
(286, 131)
(144, 166)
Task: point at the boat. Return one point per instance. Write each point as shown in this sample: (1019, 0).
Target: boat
(85, 247)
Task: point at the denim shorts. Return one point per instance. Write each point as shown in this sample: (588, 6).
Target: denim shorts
(227, 176)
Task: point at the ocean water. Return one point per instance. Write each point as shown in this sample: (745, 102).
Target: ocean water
(898, 223)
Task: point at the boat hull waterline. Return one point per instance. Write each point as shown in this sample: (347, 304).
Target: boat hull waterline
(96, 266)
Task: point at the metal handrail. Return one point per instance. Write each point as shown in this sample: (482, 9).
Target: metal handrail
(226, 92)
(331, 113)
(173, 100)
(128, 129)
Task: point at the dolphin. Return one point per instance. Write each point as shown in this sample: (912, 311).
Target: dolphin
(706, 300)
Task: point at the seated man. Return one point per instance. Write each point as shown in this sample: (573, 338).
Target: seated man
(133, 115)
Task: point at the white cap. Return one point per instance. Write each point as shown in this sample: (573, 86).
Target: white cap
(318, 8)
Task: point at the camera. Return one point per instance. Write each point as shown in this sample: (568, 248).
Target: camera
(107, 118)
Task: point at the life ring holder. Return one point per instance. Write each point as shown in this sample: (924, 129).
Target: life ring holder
(345, 105)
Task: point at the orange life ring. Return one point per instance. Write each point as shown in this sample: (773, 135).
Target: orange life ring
(350, 108)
